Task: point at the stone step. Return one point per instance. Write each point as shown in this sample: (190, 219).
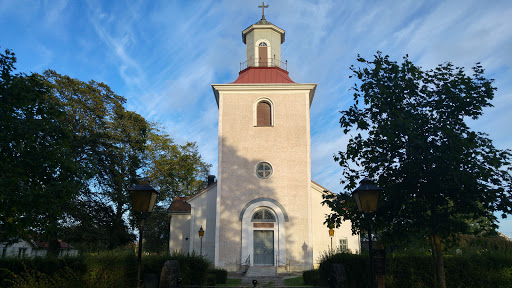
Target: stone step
(261, 271)
(263, 281)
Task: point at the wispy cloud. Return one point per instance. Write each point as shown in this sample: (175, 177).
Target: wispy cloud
(163, 55)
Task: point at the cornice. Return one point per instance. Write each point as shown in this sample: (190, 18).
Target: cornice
(263, 26)
(217, 88)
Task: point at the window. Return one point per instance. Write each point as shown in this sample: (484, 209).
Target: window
(264, 114)
(343, 244)
(263, 215)
(22, 252)
(263, 44)
(264, 170)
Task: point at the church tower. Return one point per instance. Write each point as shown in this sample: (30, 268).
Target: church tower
(264, 209)
(263, 195)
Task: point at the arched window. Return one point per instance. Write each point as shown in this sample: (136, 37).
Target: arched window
(264, 114)
(263, 44)
(263, 215)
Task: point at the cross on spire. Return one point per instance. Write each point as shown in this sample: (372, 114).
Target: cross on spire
(263, 6)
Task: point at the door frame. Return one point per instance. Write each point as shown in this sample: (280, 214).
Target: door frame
(273, 246)
(248, 228)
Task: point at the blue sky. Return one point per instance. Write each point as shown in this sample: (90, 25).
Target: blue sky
(163, 55)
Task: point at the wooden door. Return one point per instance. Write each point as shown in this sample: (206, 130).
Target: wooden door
(263, 56)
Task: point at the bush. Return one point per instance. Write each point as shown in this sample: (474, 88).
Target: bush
(11, 267)
(221, 275)
(356, 268)
(193, 267)
(468, 271)
(312, 277)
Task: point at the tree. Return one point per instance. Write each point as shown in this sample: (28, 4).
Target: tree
(70, 150)
(409, 133)
(156, 230)
(39, 173)
(176, 170)
(93, 226)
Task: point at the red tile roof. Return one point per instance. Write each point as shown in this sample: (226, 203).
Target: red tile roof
(263, 75)
(179, 204)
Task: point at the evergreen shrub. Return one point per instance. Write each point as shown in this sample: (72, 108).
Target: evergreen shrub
(312, 277)
(221, 275)
(468, 271)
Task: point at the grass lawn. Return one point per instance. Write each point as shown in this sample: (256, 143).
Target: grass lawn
(231, 282)
(297, 281)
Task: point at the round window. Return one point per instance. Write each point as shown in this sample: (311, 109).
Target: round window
(264, 170)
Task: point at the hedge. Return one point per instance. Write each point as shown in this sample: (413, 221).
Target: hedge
(485, 270)
(107, 269)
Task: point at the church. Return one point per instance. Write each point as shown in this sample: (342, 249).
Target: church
(264, 209)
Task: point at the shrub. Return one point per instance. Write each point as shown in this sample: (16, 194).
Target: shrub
(221, 275)
(468, 271)
(193, 267)
(312, 277)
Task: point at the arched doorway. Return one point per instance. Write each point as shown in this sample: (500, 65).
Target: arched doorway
(263, 232)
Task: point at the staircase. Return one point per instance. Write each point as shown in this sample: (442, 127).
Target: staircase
(265, 275)
(261, 271)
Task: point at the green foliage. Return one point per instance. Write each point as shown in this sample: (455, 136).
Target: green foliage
(194, 268)
(409, 132)
(38, 167)
(175, 170)
(468, 271)
(156, 231)
(69, 152)
(221, 275)
(231, 283)
(471, 244)
(356, 268)
(313, 278)
(411, 135)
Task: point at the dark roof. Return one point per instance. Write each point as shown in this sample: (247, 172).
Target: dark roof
(179, 204)
(263, 75)
(63, 245)
(263, 22)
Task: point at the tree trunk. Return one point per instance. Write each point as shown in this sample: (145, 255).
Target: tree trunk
(441, 280)
(434, 258)
(53, 245)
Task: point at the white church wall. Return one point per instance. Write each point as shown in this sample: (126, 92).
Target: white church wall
(179, 234)
(322, 240)
(243, 146)
(203, 215)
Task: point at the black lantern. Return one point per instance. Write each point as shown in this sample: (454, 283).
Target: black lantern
(143, 196)
(367, 196)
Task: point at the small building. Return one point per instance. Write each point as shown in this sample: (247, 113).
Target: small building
(30, 249)
(264, 209)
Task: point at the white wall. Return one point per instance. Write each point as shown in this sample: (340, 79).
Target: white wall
(179, 234)
(321, 239)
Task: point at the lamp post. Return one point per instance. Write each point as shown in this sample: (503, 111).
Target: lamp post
(143, 199)
(367, 198)
(331, 234)
(201, 234)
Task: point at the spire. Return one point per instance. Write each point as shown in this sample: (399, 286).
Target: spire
(263, 6)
